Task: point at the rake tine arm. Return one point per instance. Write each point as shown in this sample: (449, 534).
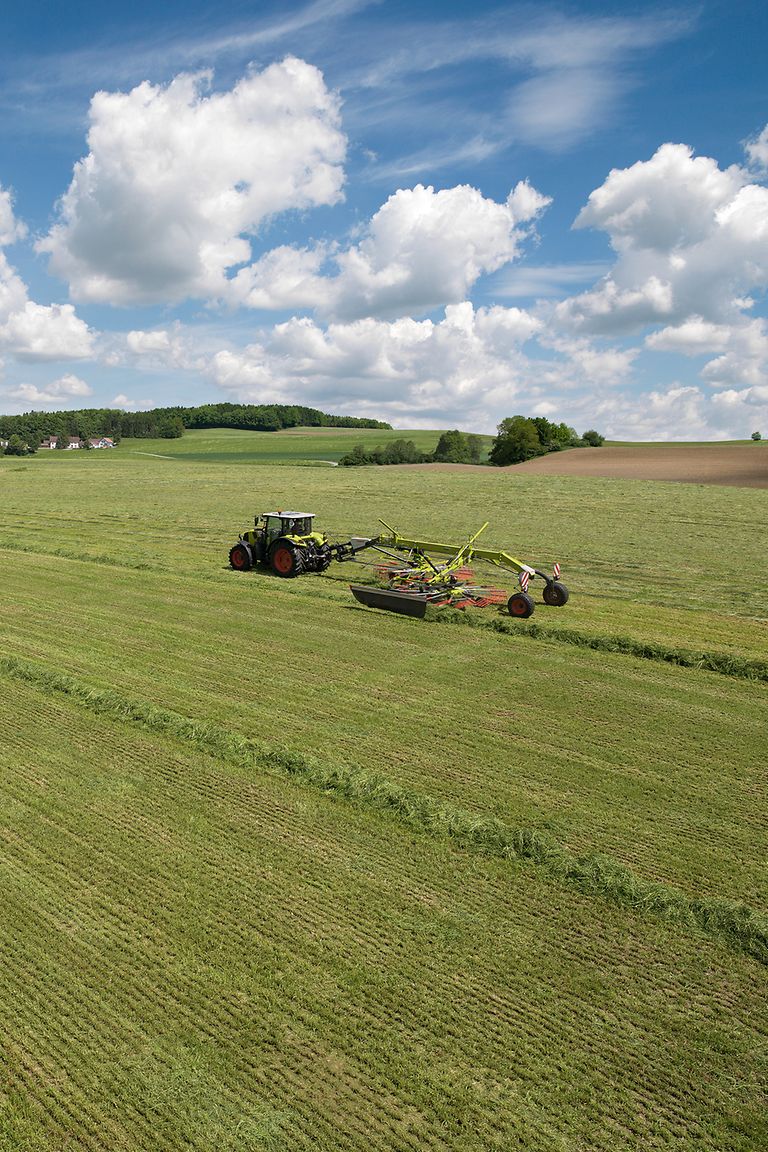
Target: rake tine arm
(503, 560)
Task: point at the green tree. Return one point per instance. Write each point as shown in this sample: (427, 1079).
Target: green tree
(593, 439)
(476, 447)
(554, 437)
(17, 447)
(452, 448)
(756, 436)
(401, 452)
(171, 428)
(356, 458)
(517, 440)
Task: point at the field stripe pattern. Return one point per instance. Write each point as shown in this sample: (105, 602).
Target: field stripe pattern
(733, 923)
(332, 982)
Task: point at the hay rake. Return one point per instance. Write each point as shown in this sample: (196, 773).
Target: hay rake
(417, 576)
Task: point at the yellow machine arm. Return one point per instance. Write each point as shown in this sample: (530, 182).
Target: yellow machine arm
(459, 554)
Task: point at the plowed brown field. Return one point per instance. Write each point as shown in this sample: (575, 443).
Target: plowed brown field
(740, 465)
(737, 465)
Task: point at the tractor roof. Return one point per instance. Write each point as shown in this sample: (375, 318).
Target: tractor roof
(291, 515)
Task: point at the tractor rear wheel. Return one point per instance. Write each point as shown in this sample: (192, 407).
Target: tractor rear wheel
(239, 558)
(285, 559)
(521, 605)
(555, 594)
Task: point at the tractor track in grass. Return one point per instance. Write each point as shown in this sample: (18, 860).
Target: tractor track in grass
(722, 663)
(735, 924)
(401, 1007)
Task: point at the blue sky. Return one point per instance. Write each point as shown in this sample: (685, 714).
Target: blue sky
(435, 214)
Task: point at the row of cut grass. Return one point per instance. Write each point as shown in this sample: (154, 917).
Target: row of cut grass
(736, 924)
(197, 957)
(656, 766)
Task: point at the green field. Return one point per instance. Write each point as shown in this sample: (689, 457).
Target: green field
(277, 871)
(291, 446)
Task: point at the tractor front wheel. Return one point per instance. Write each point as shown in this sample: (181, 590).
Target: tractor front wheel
(239, 558)
(521, 605)
(555, 594)
(285, 559)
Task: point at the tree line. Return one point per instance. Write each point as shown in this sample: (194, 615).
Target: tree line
(453, 447)
(519, 438)
(169, 423)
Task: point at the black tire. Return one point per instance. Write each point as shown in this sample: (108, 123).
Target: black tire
(285, 559)
(520, 605)
(555, 594)
(240, 558)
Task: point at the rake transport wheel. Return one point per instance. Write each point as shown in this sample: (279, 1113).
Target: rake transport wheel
(285, 559)
(239, 558)
(521, 605)
(555, 594)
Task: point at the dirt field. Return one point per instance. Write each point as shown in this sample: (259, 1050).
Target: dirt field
(737, 465)
(740, 465)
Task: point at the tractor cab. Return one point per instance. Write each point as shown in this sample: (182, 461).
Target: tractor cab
(277, 524)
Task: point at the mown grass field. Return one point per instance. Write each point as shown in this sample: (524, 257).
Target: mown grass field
(314, 446)
(277, 871)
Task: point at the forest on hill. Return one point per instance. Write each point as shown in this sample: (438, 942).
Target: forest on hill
(32, 427)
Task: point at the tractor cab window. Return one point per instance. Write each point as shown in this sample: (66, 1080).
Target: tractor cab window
(302, 526)
(274, 528)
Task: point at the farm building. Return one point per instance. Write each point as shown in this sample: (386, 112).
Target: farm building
(53, 442)
(76, 442)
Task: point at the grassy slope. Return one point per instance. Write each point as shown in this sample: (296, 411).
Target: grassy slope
(124, 584)
(292, 445)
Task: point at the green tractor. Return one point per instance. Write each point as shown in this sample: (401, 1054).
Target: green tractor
(285, 542)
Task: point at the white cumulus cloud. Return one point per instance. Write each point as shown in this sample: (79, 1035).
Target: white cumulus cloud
(691, 240)
(46, 332)
(122, 401)
(693, 337)
(13, 290)
(58, 393)
(744, 359)
(421, 250)
(176, 179)
(757, 150)
(467, 367)
(664, 203)
(32, 331)
(11, 229)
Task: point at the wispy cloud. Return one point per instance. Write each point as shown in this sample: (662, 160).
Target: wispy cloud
(118, 59)
(546, 280)
(556, 80)
(556, 76)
